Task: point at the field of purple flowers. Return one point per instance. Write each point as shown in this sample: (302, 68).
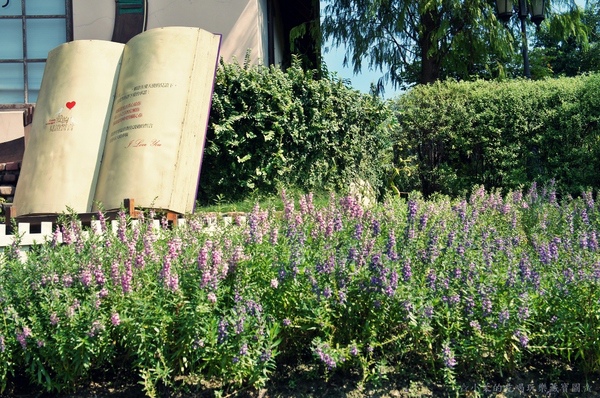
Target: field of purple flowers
(449, 292)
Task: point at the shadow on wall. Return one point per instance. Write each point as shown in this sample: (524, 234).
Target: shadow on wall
(11, 155)
(12, 151)
(14, 130)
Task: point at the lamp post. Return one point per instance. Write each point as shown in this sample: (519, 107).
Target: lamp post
(505, 9)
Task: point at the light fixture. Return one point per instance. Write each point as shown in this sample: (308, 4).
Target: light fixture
(537, 11)
(505, 9)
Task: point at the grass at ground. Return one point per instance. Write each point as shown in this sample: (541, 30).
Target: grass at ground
(305, 382)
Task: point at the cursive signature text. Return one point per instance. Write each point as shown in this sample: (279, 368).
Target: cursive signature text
(140, 143)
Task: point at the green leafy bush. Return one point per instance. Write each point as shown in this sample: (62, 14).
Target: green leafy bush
(478, 290)
(502, 134)
(270, 128)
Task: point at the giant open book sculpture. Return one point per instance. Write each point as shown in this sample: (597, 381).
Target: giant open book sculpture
(116, 121)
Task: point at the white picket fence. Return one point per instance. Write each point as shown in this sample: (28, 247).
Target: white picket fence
(27, 239)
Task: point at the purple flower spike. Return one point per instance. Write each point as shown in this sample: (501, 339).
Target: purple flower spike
(423, 221)
(412, 210)
(265, 356)
(448, 355)
(85, 277)
(431, 278)
(391, 247)
(486, 306)
(222, 329)
(358, 231)
(428, 312)
(406, 270)
(126, 278)
(376, 227)
(22, 340)
(211, 297)
(522, 337)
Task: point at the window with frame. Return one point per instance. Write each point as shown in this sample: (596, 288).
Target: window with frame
(29, 29)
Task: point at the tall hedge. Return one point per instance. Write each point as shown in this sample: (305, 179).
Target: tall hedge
(501, 134)
(270, 127)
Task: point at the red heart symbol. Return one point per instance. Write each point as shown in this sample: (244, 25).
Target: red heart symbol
(70, 104)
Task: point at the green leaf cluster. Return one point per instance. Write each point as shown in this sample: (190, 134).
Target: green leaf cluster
(270, 128)
(502, 134)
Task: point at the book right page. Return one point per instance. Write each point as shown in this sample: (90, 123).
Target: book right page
(157, 130)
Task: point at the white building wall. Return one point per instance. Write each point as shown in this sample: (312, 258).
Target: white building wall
(11, 125)
(242, 23)
(93, 20)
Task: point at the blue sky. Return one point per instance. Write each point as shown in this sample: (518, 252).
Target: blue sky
(334, 60)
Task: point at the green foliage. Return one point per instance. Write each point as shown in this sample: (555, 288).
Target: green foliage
(570, 45)
(472, 290)
(502, 134)
(270, 128)
(126, 300)
(419, 42)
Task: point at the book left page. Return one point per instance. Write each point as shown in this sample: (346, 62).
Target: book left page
(62, 156)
